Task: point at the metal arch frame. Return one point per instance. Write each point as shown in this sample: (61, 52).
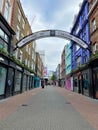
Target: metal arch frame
(50, 33)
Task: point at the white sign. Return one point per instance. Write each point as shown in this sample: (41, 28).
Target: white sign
(50, 33)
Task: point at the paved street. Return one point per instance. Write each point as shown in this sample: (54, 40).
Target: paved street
(48, 109)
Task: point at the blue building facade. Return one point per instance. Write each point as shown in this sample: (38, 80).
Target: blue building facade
(80, 56)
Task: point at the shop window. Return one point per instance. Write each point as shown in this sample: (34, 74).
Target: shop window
(85, 81)
(76, 84)
(18, 76)
(24, 83)
(3, 72)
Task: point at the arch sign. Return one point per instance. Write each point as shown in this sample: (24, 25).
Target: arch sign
(50, 33)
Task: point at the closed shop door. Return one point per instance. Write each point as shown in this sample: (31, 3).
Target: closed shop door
(10, 82)
(3, 73)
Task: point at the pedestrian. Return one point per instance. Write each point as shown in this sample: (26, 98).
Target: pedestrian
(42, 83)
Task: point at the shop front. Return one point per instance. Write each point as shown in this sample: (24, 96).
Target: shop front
(68, 83)
(18, 77)
(36, 82)
(81, 82)
(75, 83)
(10, 82)
(3, 78)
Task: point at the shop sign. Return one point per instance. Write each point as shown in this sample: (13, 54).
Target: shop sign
(51, 33)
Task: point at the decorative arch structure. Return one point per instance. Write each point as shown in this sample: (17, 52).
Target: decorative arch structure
(50, 33)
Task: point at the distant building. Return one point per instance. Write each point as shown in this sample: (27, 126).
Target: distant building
(58, 78)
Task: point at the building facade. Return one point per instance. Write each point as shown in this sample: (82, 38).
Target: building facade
(80, 56)
(93, 21)
(63, 73)
(17, 72)
(39, 70)
(6, 35)
(69, 85)
(58, 78)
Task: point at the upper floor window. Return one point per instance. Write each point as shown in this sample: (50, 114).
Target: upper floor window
(78, 61)
(22, 35)
(19, 15)
(16, 53)
(83, 17)
(26, 61)
(21, 55)
(95, 48)
(4, 40)
(77, 29)
(92, 3)
(27, 48)
(28, 33)
(23, 23)
(17, 32)
(77, 47)
(1, 3)
(93, 25)
(84, 35)
(7, 10)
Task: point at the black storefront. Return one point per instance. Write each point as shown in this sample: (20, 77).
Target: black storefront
(14, 78)
(82, 81)
(6, 35)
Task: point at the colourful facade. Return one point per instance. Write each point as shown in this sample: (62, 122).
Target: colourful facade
(80, 56)
(69, 85)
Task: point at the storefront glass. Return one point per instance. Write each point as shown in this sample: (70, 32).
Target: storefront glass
(3, 72)
(18, 76)
(85, 84)
(75, 86)
(27, 82)
(24, 83)
(10, 82)
(95, 82)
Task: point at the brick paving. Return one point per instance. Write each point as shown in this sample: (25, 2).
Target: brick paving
(44, 109)
(86, 106)
(9, 105)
